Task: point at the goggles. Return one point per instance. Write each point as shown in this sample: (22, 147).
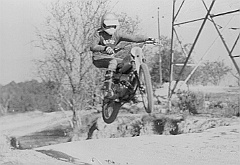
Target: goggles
(109, 26)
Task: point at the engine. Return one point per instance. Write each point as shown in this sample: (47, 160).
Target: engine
(122, 90)
(121, 86)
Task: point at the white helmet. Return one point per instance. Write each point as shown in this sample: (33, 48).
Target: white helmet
(109, 23)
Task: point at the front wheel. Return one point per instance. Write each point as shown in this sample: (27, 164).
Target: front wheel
(110, 111)
(146, 88)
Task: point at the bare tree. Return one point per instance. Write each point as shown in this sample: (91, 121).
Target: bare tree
(210, 72)
(129, 25)
(5, 99)
(66, 37)
(237, 78)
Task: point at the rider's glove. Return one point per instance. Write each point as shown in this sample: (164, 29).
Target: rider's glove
(109, 50)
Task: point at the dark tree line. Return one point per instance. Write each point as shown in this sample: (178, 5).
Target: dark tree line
(27, 96)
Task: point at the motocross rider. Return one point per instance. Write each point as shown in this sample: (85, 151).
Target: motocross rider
(106, 38)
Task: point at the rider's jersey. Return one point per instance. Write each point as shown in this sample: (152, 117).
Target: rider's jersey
(103, 39)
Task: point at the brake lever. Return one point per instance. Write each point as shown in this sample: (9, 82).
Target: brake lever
(117, 49)
(153, 43)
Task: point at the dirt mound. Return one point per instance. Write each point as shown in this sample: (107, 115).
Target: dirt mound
(199, 124)
(138, 125)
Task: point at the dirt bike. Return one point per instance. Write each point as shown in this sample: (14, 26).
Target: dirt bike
(131, 75)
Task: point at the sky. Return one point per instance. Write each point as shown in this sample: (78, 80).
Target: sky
(19, 19)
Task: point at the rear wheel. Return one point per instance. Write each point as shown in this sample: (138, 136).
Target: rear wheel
(110, 111)
(146, 88)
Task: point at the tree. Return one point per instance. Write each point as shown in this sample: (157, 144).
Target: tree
(237, 76)
(153, 59)
(68, 68)
(66, 37)
(129, 25)
(210, 73)
(26, 96)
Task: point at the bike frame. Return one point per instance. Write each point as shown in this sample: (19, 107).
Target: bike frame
(111, 107)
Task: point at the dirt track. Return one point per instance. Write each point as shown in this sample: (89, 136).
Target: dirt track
(219, 145)
(214, 146)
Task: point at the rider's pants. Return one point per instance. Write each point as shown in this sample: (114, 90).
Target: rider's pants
(108, 62)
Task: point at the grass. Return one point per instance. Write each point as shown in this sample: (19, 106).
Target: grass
(224, 102)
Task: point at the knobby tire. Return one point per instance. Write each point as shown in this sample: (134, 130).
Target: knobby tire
(115, 109)
(144, 71)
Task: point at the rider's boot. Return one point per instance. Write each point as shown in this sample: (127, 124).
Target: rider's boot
(108, 84)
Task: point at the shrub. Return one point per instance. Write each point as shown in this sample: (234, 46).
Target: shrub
(187, 101)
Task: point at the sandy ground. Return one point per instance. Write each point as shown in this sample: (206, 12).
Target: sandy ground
(23, 124)
(214, 146)
(218, 146)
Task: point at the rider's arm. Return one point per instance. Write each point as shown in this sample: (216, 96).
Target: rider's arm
(95, 46)
(132, 38)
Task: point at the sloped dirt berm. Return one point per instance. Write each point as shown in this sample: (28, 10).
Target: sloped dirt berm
(158, 124)
(141, 139)
(218, 146)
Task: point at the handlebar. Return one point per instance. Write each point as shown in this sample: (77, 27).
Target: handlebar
(116, 50)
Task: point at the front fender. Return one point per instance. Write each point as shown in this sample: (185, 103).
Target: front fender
(137, 53)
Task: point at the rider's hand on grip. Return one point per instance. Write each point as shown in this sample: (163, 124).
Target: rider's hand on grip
(109, 50)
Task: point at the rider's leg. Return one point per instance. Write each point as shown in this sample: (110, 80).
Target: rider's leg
(104, 63)
(108, 80)
(111, 65)
(109, 75)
